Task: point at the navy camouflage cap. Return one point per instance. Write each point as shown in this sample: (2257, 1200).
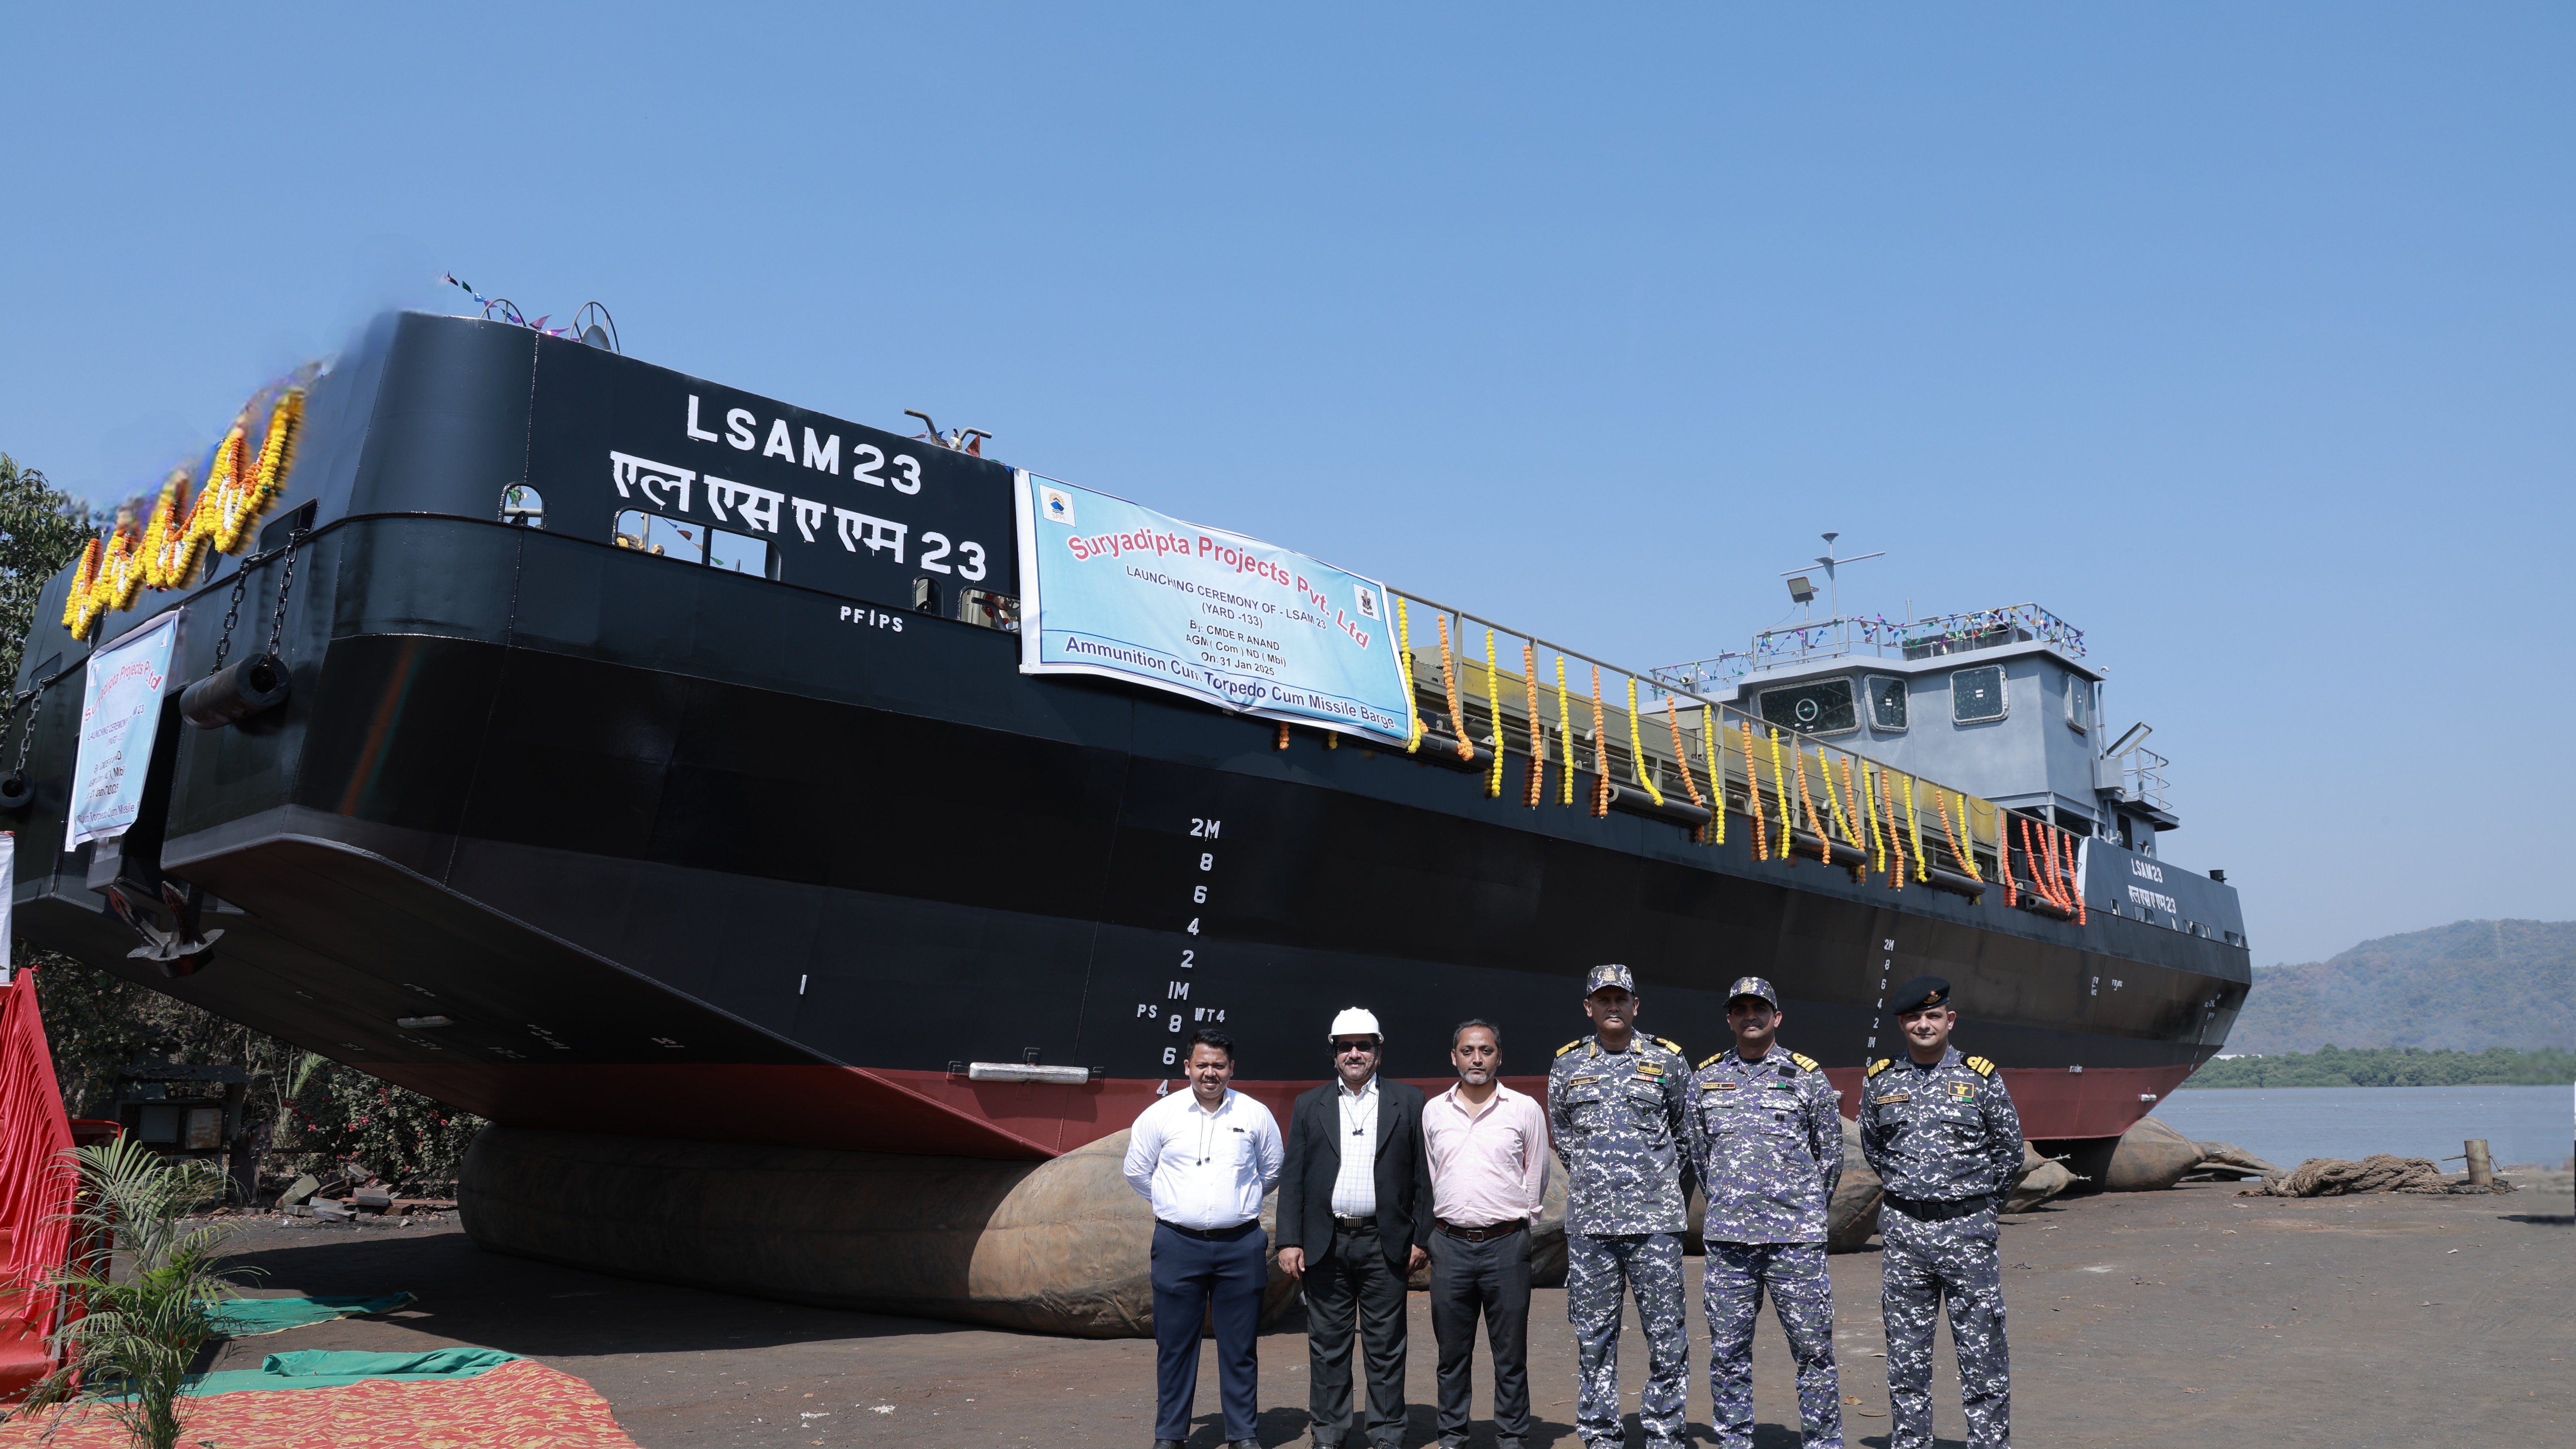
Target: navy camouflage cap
(1919, 993)
(1753, 986)
(1610, 975)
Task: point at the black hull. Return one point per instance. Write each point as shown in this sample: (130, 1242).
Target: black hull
(688, 853)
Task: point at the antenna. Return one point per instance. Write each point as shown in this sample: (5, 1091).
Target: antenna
(1833, 582)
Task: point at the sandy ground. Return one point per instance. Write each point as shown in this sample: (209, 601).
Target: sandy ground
(2191, 1316)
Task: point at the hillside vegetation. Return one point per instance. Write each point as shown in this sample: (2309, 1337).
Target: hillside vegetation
(2391, 1067)
(2466, 986)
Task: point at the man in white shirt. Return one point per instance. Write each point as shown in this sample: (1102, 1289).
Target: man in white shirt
(1205, 1158)
(1489, 1167)
(1354, 1208)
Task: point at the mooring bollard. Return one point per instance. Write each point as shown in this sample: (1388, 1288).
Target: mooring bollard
(2481, 1167)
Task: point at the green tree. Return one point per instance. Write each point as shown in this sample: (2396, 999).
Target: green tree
(42, 528)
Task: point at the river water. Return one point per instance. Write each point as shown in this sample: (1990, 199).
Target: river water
(2286, 1125)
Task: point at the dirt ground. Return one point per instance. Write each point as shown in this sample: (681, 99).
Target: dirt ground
(2191, 1316)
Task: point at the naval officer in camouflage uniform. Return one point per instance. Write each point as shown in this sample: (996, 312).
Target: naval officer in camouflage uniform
(1766, 1135)
(1940, 1130)
(1614, 1102)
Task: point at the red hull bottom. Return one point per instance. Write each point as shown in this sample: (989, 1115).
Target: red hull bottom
(937, 1114)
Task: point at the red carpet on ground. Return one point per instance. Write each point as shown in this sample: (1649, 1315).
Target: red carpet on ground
(522, 1404)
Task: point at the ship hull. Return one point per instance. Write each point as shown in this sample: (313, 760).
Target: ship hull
(784, 880)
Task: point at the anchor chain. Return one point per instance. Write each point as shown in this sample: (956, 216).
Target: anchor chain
(286, 580)
(223, 646)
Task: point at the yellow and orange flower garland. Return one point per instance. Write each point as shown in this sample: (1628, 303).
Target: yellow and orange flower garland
(1404, 651)
(1753, 796)
(1538, 736)
(1713, 749)
(1494, 707)
(1600, 752)
(166, 552)
(1449, 685)
(1638, 764)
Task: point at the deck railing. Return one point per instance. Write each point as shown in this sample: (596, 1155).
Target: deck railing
(1594, 735)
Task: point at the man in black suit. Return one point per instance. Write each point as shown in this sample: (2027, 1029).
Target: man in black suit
(1354, 1216)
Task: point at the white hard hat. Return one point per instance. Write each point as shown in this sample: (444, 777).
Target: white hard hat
(1354, 1021)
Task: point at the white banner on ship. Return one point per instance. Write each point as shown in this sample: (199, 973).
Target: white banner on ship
(120, 716)
(1113, 588)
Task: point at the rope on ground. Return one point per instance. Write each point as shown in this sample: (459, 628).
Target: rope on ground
(2379, 1172)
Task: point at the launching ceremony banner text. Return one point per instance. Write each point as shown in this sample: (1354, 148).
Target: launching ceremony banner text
(120, 715)
(1108, 587)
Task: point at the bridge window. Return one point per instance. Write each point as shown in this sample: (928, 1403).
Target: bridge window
(1886, 702)
(1977, 695)
(1822, 708)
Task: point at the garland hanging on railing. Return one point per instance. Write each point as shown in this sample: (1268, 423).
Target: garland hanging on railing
(1600, 797)
(1404, 647)
(1895, 836)
(1638, 764)
(1807, 805)
(1673, 717)
(1851, 808)
(1914, 827)
(1753, 796)
(1712, 747)
(1538, 735)
(1869, 797)
(1449, 684)
(1780, 792)
(1493, 706)
(1564, 735)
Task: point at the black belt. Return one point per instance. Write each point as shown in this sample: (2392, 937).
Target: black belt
(1355, 1225)
(1930, 1211)
(1212, 1235)
(1466, 1234)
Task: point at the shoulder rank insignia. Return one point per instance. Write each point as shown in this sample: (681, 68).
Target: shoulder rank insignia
(1882, 1064)
(1805, 1063)
(1712, 1061)
(1670, 1045)
(1569, 1046)
(1981, 1066)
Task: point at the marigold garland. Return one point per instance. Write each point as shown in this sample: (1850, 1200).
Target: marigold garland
(1449, 685)
(1600, 752)
(2012, 897)
(1895, 837)
(1914, 827)
(1713, 750)
(76, 602)
(1780, 792)
(1851, 806)
(1868, 811)
(1941, 797)
(1404, 651)
(1833, 802)
(1538, 736)
(238, 489)
(1967, 827)
(1638, 764)
(1681, 758)
(1564, 735)
(1494, 707)
(1807, 806)
(170, 554)
(1753, 796)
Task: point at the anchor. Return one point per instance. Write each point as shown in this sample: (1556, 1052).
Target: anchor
(178, 952)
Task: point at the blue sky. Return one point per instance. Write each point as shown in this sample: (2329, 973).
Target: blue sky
(2238, 336)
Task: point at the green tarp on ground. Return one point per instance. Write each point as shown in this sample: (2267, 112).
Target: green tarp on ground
(320, 1369)
(251, 1317)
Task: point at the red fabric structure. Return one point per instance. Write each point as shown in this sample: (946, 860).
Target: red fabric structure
(36, 1184)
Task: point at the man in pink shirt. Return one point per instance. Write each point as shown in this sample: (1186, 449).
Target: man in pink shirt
(1489, 1165)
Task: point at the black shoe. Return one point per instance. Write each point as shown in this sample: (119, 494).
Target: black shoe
(1167, 1444)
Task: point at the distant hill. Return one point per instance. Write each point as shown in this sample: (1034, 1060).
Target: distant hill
(2467, 986)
